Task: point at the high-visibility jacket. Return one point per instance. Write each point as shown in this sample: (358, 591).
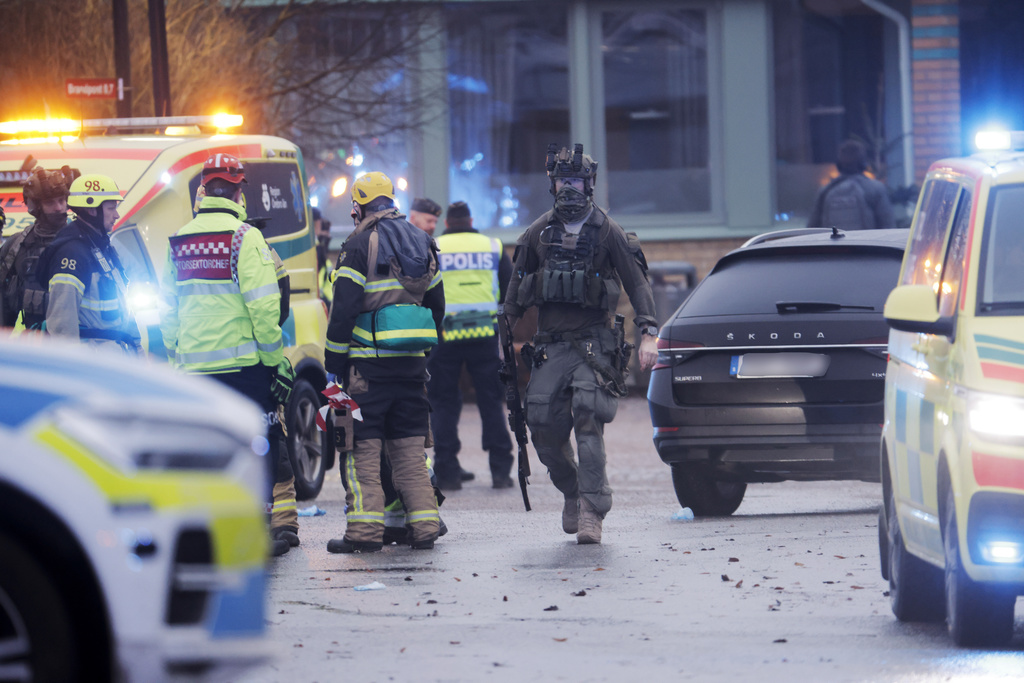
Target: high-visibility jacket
(469, 266)
(221, 301)
(374, 273)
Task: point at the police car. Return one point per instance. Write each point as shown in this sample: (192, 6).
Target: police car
(156, 163)
(132, 531)
(951, 529)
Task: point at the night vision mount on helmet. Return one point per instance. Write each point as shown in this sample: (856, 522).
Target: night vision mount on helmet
(561, 163)
(43, 185)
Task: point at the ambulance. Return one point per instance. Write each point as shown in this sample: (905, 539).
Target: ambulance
(156, 163)
(951, 527)
(133, 540)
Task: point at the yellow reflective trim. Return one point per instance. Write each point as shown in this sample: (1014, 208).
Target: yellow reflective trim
(236, 519)
(429, 333)
(68, 279)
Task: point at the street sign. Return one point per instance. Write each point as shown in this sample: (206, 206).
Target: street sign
(101, 88)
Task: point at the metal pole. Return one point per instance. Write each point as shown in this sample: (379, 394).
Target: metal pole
(158, 52)
(122, 56)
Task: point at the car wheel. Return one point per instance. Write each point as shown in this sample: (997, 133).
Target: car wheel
(976, 615)
(36, 637)
(883, 543)
(705, 495)
(915, 587)
(307, 445)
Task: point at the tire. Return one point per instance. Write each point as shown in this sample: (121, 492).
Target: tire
(915, 587)
(308, 447)
(37, 641)
(705, 495)
(976, 615)
(883, 543)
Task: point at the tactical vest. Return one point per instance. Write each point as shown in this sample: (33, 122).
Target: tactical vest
(21, 289)
(469, 266)
(570, 270)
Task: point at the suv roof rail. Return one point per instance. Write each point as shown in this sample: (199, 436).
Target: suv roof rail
(791, 232)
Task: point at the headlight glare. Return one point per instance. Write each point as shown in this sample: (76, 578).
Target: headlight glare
(996, 416)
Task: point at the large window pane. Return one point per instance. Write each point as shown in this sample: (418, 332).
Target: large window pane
(656, 111)
(829, 67)
(508, 79)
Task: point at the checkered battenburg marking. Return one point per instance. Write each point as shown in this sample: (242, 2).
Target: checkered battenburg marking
(204, 249)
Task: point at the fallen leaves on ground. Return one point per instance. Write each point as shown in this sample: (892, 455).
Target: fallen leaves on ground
(580, 593)
(553, 608)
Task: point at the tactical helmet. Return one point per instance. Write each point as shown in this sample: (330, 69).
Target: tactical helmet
(372, 186)
(224, 166)
(91, 190)
(43, 185)
(561, 163)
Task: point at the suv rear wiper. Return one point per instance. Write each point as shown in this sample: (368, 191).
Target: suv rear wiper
(814, 306)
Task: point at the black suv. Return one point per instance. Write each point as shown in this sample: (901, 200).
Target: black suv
(774, 367)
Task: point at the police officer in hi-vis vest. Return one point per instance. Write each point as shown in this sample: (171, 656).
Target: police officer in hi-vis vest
(476, 271)
(571, 264)
(388, 308)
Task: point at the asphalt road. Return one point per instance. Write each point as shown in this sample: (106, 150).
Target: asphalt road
(787, 589)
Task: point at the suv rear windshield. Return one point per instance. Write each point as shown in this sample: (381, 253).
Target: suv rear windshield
(755, 284)
(1002, 281)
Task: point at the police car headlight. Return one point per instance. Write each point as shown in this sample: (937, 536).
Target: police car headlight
(992, 415)
(129, 442)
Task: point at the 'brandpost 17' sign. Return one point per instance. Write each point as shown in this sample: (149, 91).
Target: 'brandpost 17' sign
(105, 88)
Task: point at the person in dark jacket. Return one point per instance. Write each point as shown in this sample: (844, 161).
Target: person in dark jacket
(852, 201)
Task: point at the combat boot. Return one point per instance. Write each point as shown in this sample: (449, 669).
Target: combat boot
(571, 515)
(278, 547)
(343, 545)
(287, 534)
(589, 525)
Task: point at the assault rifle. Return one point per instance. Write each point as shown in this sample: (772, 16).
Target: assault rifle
(516, 417)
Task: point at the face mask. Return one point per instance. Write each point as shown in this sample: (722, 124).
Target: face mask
(571, 205)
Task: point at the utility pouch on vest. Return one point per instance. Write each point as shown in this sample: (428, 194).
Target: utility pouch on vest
(467, 325)
(343, 430)
(398, 327)
(33, 309)
(563, 283)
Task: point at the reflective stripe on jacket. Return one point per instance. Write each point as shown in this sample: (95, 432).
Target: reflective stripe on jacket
(469, 265)
(217, 318)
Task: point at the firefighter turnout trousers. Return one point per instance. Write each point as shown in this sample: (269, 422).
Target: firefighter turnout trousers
(395, 418)
(564, 396)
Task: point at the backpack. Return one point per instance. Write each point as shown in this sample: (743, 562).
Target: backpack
(845, 205)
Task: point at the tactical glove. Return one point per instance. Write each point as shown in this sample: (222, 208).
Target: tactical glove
(281, 384)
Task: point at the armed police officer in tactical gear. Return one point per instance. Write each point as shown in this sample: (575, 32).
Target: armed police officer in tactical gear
(388, 309)
(572, 264)
(46, 195)
(221, 317)
(86, 282)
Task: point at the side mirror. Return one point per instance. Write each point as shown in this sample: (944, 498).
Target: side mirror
(915, 308)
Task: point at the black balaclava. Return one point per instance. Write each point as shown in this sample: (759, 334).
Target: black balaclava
(571, 205)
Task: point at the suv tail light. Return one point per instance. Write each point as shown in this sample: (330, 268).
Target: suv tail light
(669, 350)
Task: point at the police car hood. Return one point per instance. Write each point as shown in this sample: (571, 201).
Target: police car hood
(40, 375)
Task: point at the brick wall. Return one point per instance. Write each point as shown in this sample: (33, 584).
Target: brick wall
(936, 70)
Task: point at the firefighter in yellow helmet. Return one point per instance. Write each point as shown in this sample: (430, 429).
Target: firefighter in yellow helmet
(221, 318)
(388, 308)
(86, 281)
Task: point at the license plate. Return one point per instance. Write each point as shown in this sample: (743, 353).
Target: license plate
(761, 365)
